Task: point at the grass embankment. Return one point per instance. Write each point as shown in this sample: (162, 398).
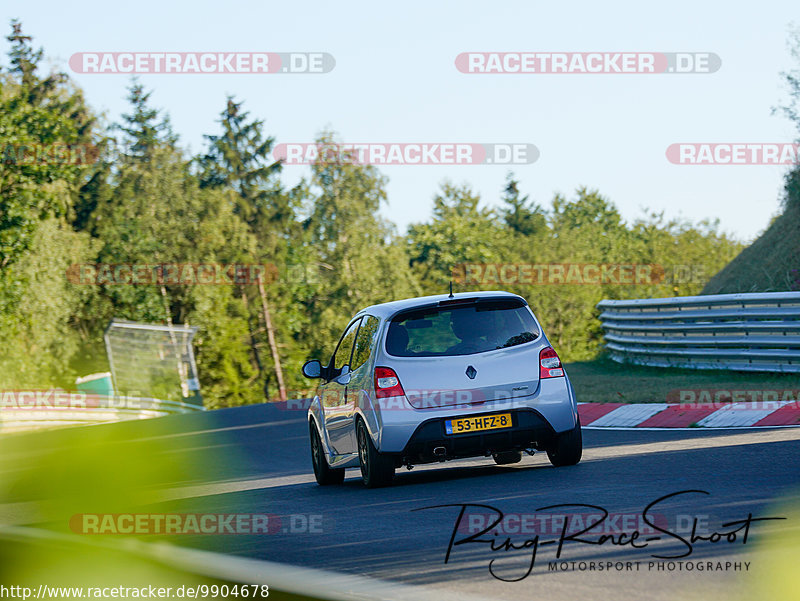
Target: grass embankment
(605, 381)
(772, 262)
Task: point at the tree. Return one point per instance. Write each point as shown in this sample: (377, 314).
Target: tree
(344, 231)
(40, 117)
(144, 129)
(39, 337)
(460, 232)
(157, 213)
(791, 108)
(43, 119)
(521, 215)
(239, 160)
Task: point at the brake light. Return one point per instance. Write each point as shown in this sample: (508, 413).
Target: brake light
(457, 301)
(387, 383)
(549, 364)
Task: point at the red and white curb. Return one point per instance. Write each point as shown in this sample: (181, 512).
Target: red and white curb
(695, 415)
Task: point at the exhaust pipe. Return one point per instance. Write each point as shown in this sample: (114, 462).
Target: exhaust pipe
(439, 452)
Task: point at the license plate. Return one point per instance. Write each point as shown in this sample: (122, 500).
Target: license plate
(478, 423)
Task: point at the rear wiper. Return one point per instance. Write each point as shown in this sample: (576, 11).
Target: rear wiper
(519, 339)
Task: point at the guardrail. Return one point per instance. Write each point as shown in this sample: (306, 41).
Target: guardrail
(749, 332)
(27, 410)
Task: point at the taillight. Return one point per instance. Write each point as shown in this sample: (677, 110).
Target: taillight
(387, 383)
(549, 364)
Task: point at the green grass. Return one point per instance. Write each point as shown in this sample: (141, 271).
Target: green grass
(771, 262)
(605, 381)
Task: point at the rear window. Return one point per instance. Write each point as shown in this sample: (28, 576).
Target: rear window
(460, 330)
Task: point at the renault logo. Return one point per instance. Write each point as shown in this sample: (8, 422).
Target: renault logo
(471, 372)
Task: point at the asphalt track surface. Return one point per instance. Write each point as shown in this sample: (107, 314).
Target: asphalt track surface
(256, 460)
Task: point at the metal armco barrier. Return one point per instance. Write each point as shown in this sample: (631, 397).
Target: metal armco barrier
(82, 411)
(750, 332)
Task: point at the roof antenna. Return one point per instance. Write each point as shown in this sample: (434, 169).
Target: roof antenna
(451, 289)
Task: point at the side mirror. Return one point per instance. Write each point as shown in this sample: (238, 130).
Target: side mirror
(312, 369)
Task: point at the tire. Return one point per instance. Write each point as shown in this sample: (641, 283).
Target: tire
(324, 473)
(507, 457)
(567, 448)
(377, 469)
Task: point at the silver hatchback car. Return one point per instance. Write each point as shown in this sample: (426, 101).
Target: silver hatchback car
(440, 377)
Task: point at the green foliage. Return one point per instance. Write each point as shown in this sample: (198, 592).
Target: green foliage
(360, 252)
(157, 213)
(144, 129)
(32, 186)
(239, 159)
(791, 108)
(519, 214)
(227, 376)
(772, 262)
(37, 191)
(584, 230)
(146, 201)
(460, 232)
(39, 336)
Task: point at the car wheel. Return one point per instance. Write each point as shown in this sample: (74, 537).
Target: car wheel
(377, 469)
(567, 448)
(507, 457)
(324, 473)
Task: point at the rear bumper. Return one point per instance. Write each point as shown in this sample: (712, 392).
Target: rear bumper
(529, 429)
(394, 425)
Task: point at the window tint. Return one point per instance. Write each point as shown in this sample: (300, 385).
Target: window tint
(461, 330)
(365, 341)
(342, 355)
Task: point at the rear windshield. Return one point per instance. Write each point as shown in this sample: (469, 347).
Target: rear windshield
(461, 330)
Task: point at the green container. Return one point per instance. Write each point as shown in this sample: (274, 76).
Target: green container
(96, 384)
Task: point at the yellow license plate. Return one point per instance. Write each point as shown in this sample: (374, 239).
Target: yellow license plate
(478, 423)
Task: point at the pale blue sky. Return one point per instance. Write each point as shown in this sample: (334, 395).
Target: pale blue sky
(395, 81)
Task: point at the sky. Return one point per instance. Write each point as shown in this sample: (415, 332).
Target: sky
(395, 80)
